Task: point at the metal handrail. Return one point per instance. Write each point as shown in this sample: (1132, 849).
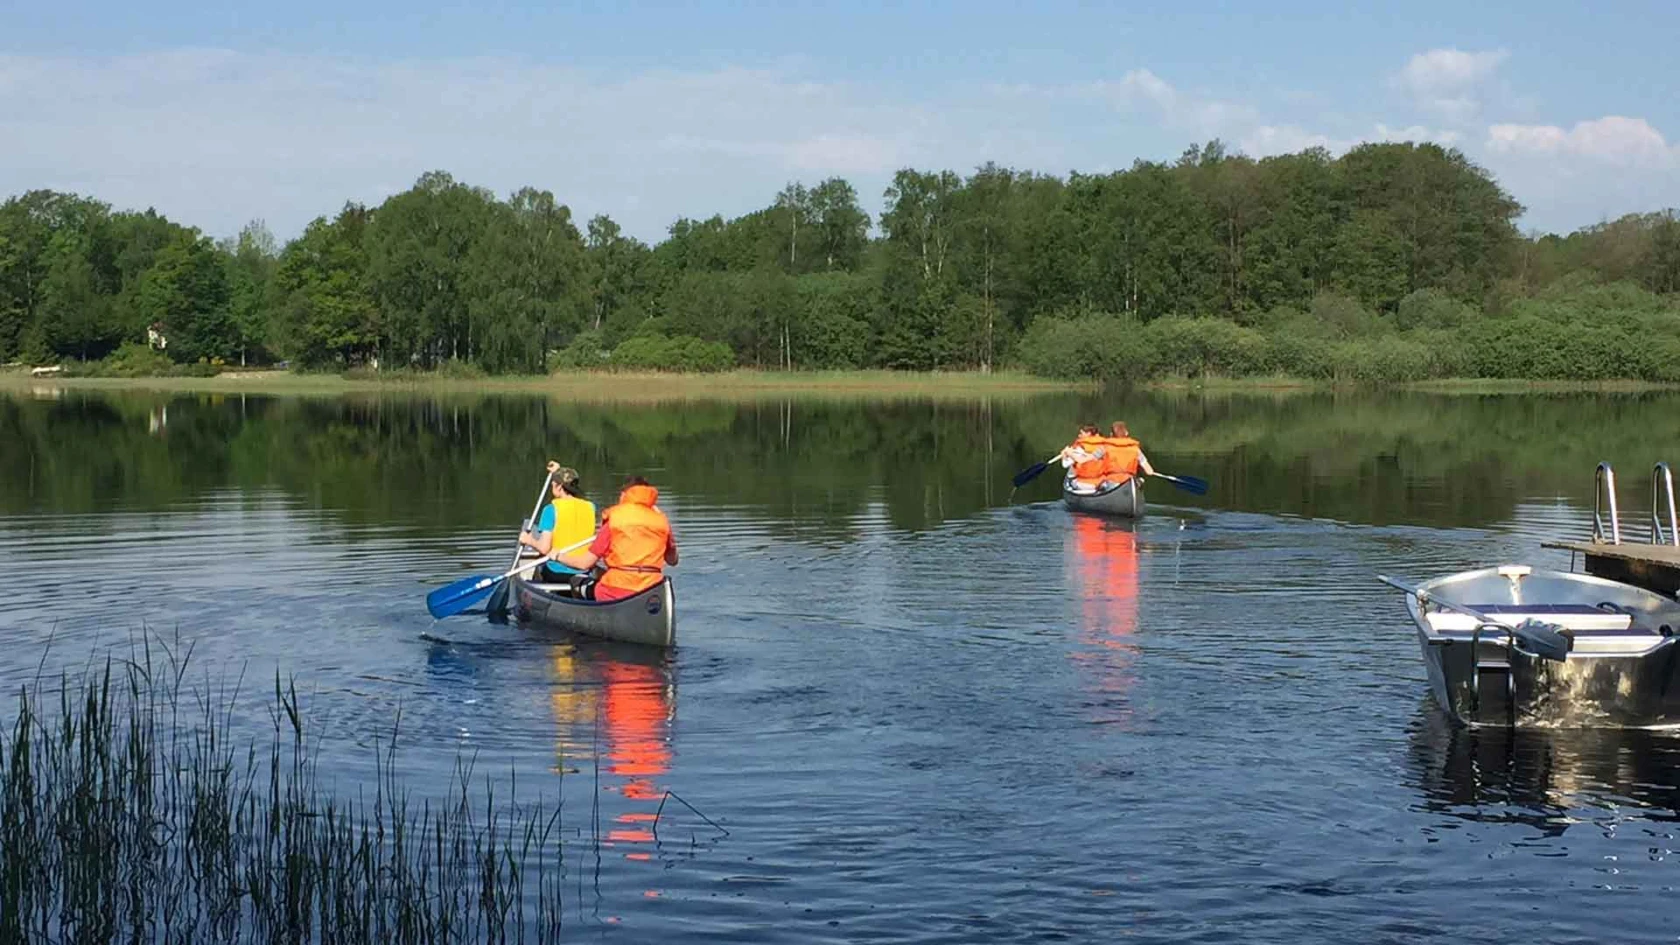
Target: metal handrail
(1663, 479)
(1604, 484)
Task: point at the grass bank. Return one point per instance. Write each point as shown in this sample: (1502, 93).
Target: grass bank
(1458, 385)
(632, 387)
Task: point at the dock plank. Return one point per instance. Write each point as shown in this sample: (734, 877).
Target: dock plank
(1656, 567)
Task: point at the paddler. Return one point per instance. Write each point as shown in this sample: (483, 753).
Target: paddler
(634, 544)
(566, 520)
(1122, 456)
(1084, 459)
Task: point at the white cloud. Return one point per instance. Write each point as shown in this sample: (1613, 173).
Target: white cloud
(1201, 115)
(1267, 140)
(215, 138)
(1612, 140)
(1450, 82)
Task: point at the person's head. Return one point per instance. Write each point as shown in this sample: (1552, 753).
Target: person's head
(565, 482)
(1088, 429)
(638, 489)
(1120, 428)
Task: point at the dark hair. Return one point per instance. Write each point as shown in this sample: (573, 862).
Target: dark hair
(636, 481)
(1089, 428)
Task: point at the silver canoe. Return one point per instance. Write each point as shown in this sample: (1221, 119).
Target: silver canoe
(649, 618)
(1125, 499)
(1621, 669)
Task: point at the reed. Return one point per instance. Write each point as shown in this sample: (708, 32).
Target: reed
(130, 811)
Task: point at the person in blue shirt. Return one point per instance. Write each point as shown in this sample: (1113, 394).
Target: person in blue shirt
(565, 521)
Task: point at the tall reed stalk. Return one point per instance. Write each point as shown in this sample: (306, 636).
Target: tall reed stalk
(129, 812)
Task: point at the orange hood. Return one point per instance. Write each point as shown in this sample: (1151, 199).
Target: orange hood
(639, 495)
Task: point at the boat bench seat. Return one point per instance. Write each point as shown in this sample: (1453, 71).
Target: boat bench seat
(1595, 631)
(1583, 620)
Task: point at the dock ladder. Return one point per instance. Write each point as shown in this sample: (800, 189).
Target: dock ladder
(1608, 529)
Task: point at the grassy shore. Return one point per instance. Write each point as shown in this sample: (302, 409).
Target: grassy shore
(1464, 385)
(588, 385)
(650, 387)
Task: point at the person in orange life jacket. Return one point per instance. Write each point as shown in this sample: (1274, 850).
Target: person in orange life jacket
(634, 544)
(1122, 456)
(1084, 459)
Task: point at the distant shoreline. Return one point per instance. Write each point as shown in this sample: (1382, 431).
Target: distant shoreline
(747, 384)
(584, 385)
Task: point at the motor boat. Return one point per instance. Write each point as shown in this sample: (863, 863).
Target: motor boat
(1513, 646)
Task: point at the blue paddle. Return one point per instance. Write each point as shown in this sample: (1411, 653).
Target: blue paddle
(1033, 472)
(451, 599)
(1189, 484)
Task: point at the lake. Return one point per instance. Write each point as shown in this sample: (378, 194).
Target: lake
(907, 704)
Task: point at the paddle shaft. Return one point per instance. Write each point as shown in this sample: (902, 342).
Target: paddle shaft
(485, 582)
(548, 557)
(519, 546)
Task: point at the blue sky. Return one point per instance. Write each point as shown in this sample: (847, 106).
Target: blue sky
(220, 113)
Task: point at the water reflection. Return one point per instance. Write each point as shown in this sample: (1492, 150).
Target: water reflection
(813, 464)
(614, 703)
(1545, 779)
(1103, 570)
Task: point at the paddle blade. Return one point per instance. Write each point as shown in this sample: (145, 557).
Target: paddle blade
(1029, 474)
(1189, 484)
(449, 600)
(496, 608)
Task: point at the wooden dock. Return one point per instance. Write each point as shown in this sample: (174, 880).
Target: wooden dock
(1654, 567)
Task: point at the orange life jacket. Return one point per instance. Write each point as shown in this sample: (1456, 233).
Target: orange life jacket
(1090, 471)
(639, 534)
(1120, 458)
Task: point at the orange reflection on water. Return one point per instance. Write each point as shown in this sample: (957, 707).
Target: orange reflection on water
(1103, 568)
(618, 700)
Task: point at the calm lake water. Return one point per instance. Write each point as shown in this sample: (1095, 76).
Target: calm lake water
(917, 708)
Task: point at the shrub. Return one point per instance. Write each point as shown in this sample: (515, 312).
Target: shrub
(682, 353)
(586, 351)
(460, 370)
(1299, 354)
(1196, 346)
(131, 359)
(1431, 308)
(1388, 359)
(1344, 317)
(1101, 346)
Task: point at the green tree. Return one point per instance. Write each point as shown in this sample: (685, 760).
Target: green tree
(842, 228)
(251, 259)
(418, 243)
(323, 310)
(525, 286)
(186, 290)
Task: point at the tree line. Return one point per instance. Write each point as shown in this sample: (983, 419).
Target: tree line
(1386, 258)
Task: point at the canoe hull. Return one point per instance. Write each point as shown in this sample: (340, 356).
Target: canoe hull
(649, 618)
(1124, 500)
(1614, 677)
